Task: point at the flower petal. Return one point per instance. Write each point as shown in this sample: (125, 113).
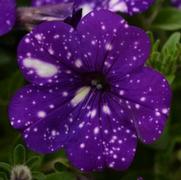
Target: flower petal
(107, 139)
(113, 46)
(47, 2)
(129, 6)
(176, 3)
(48, 116)
(148, 95)
(32, 104)
(126, 6)
(49, 54)
(7, 15)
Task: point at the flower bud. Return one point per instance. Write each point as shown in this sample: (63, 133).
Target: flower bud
(21, 172)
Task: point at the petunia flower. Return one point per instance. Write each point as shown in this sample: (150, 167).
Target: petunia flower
(176, 3)
(126, 6)
(31, 16)
(89, 91)
(7, 15)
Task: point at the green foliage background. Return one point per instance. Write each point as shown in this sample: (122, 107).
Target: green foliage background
(160, 161)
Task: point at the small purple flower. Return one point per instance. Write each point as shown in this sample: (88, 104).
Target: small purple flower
(177, 3)
(90, 92)
(7, 15)
(125, 6)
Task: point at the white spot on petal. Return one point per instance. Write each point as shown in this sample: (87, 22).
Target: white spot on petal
(80, 95)
(43, 69)
(41, 114)
(106, 109)
(78, 63)
(165, 111)
(116, 5)
(86, 8)
(96, 130)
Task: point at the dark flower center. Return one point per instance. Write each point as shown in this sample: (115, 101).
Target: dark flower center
(95, 80)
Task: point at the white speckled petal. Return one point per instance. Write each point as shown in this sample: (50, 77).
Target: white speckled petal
(114, 47)
(48, 116)
(48, 55)
(129, 6)
(148, 95)
(108, 138)
(125, 6)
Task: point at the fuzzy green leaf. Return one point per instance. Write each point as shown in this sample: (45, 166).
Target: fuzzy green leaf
(168, 19)
(19, 154)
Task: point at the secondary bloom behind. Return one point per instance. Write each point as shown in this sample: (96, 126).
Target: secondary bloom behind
(125, 6)
(90, 92)
(28, 16)
(177, 3)
(7, 15)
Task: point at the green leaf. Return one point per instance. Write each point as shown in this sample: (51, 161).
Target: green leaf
(61, 176)
(166, 60)
(38, 175)
(19, 154)
(5, 166)
(172, 42)
(171, 78)
(3, 176)
(60, 167)
(34, 162)
(9, 85)
(168, 19)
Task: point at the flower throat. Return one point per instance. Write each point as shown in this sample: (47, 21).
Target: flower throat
(95, 80)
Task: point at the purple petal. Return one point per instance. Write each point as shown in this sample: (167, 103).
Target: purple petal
(107, 138)
(129, 6)
(7, 15)
(96, 95)
(49, 54)
(112, 44)
(47, 2)
(176, 3)
(48, 116)
(125, 6)
(148, 95)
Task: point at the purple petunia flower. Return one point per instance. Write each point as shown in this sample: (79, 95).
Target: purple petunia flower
(90, 92)
(30, 16)
(177, 3)
(125, 6)
(7, 15)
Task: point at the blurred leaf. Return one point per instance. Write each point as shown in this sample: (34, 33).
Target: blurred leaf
(9, 86)
(34, 162)
(60, 167)
(61, 176)
(5, 166)
(3, 176)
(38, 175)
(19, 154)
(172, 42)
(4, 58)
(133, 175)
(168, 19)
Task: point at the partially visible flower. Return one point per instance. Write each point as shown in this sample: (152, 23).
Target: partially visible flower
(125, 6)
(20, 172)
(176, 3)
(31, 16)
(90, 92)
(7, 15)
